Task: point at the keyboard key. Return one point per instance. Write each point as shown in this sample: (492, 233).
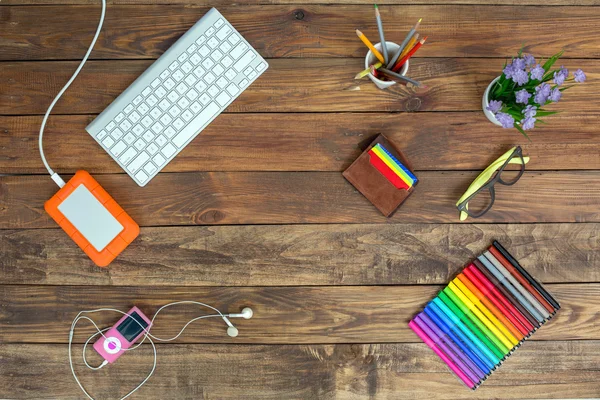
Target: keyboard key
(174, 111)
(219, 22)
(192, 95)
(154, 83)
(166, 119)
(148, 135)
(101, 135)
(138, 161)
(248, 70)
(138, 130)
(134, 117)
(204, 98)
(223, 98)
(178, 75)
(173, 96)
(195, 59)
(164, 104)
(156, 113)
(138, 100)
(108, 142)
(111, 125)
(127, 156)
(227, 61)
(213, 91)
(119, 117)
(195, 107)
(151, 100)
(230, 74)
(232, 89)
(157, 127)
(209, 31)
(201, 86)
(233, 39)
(208, 63)
(212, 42)
(204, 51)
(201, 40)
(243, 82)
(192, 48)
(170, 132)
(169, 84)
(178, 124)
(244, 61)
(161, 141)
(139, 144)
(198, 122)
(209, 78)
(118, 148)
(238, 51)
(252, 75)
(182, 57)
(187, 115)
(183, 102)
(173, 65)
(129, 138)
(160, 92)
(216, 55)
(218, 70)
(182, 88)
(152, 148)
(165, 74)
(147, 121)
(225, 47)
(150, 168)
(146, 92)
(141, 176)
(222, 82)
(261, 66)
(117, 133)
(143, 108)
(128, 109)
(159, 160)
(187, 67)
(199, 71)
(168, 150)
(223, 32)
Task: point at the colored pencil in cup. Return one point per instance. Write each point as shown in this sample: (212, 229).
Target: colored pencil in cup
(366, 71)
(396, 76)
(410, 45)
(392, 61)
(408, 55)
(381, 35)
(368, 43)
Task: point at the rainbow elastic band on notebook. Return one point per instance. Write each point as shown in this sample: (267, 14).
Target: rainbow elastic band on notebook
(383, 160)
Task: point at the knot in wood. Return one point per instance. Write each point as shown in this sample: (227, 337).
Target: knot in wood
(299, 15)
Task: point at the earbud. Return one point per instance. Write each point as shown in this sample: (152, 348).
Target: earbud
(246, 313)
(232, 331)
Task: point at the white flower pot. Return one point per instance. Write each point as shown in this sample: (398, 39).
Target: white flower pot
(370, 59)
(485, 102)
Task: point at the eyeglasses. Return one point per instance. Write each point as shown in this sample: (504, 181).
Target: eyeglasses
(486, 181)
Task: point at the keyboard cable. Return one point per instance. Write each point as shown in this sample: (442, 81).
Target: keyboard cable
(55, 177)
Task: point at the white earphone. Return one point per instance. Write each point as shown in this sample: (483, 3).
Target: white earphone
(232, 331)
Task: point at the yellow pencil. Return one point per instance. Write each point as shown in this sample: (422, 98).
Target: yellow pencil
(366, 72)
(368, 43)
(410, 45)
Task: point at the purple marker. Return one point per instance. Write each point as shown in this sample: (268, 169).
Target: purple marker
(435, 336)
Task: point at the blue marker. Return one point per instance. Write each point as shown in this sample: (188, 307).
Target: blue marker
(430, 311)
(412, 176)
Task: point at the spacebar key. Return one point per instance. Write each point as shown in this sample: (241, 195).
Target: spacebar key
(196, 124)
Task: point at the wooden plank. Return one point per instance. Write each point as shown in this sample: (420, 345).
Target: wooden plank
(453, 84)
(313, 142)
(226, 198)
(294, 255)
(301, 31)
(282, 315)
(223, 3)
(366, 371)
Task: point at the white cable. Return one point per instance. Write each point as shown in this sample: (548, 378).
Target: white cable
(55, 177)
(147, 335)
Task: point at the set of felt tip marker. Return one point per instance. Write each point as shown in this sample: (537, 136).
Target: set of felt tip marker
(484, 315)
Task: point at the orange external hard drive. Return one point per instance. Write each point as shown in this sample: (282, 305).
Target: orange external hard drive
(92, 218)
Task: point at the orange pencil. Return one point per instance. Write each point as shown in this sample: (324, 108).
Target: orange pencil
(401, 62)
(410, 45)
(368, 43)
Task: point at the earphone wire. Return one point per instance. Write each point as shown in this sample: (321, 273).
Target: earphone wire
(55, 177)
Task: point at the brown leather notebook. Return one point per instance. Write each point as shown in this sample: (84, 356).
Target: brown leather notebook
(373, 184)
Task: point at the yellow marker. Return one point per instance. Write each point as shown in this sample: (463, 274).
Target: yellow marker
(385, 158)
(487, 312)
(505, 342)
(368, 43)
(366, 72)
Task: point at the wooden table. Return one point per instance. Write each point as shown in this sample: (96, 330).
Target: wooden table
(256, 212)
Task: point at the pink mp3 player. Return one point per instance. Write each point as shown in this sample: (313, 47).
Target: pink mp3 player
(122, 335)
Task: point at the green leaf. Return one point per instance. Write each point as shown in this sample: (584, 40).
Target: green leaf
(566, 87)
(522, 131)
(540, 121)
(548, 64)
(542, 113)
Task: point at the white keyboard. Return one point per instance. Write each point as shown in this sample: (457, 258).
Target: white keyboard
(177, 97)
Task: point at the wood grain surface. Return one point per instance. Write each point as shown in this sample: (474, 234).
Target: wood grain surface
(282, 315)
(313, 142)
(563, 369)
(292, 255)
(289, 85)
(302, 31)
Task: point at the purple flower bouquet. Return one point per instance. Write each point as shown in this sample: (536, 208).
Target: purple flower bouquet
(518, 95)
